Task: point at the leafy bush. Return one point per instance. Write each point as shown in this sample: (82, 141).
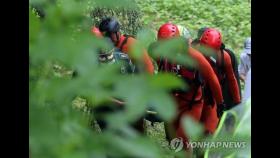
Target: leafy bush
(59, 130)
(231, 17)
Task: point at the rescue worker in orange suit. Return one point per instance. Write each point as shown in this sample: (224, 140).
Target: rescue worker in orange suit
(96, 32)
(212, 39)
(112, 55)
(190, 102)
(111, 28)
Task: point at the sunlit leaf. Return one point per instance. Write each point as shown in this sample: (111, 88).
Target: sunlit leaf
(193, 129)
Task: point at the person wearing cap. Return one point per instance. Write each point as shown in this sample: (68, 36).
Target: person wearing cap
(245, 60)
(247, 88)
(200, 31)
(184, 32)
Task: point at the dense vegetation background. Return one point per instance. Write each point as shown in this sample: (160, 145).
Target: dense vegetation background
(61, 42)
(231, 17)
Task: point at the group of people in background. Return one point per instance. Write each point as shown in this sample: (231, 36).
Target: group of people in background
(213, 83)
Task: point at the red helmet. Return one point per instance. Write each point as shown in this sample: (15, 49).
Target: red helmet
(96, 32)
(167, 31)
(212, 38)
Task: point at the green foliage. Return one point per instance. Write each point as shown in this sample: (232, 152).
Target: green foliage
(194, 129)
(62, 43)
(174, 49)
(231, 17)
(126, 11)
(235, 125)
(56, 128)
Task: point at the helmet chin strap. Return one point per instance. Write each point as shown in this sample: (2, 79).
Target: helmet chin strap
(222, 46)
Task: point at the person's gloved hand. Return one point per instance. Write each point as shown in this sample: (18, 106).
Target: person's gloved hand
(220, 109)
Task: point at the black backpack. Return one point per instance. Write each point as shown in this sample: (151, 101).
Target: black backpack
(122, 60)
(125, 63)
(225, 85)
(224, 82)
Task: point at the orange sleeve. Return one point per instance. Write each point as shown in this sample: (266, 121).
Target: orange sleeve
(146, 58)
(208, 74)
(233, 85)
(148, 62)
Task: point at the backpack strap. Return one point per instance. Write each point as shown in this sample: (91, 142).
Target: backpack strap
(197, 83)
(221, 67)
(232, 57)
(223, 60)
(222, 57)
(234, 63)
(124, 42)
(161, 63)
